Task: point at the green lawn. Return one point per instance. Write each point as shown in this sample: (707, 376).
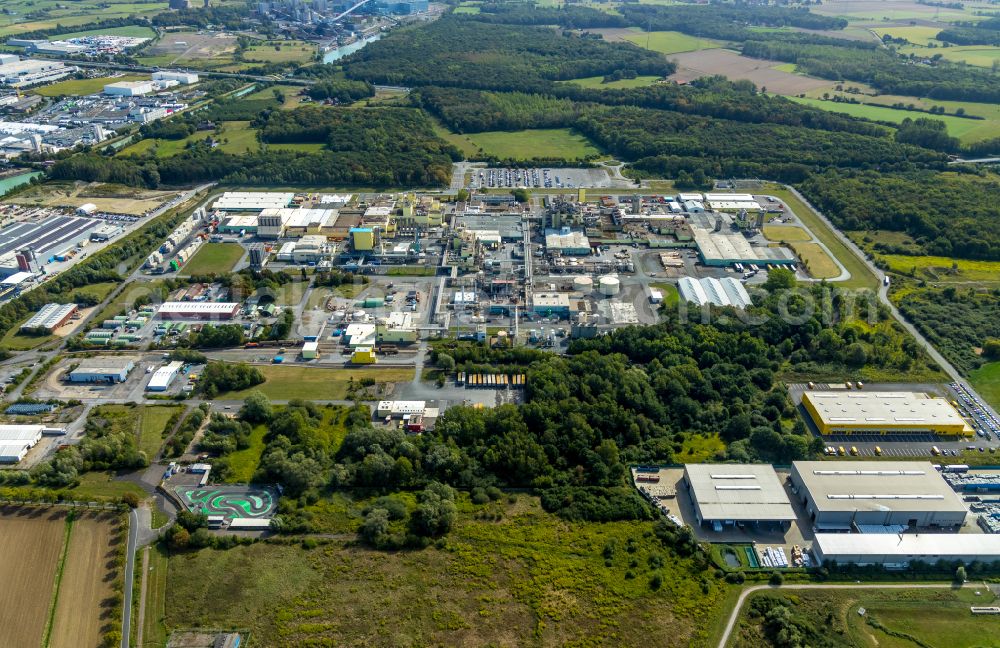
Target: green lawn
(527, 144)
(285, 382)
(286, 52)
(986, 380)
(786, 233)
(243, 463)
(98, 291)
(815, 259)
(670, 42)
(100, 484)
(308, 147)
(135, 31)
(941, 268)
(154, 419)
(236, 137)
(13, 340)
(526, 578)
(967, 130)
(861, 277)
(598, 82)
(78, 87)
(214, 258)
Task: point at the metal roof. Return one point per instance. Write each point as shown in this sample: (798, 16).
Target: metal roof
(915, 546)
(912, 409)
(882, 486)
(738, 492)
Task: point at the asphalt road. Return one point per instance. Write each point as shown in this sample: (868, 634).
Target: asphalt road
(757, 588)
(133, 533)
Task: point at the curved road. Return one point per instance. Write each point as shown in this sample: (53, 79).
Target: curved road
(757, 588)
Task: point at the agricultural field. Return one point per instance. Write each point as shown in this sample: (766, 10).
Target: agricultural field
(288, 382)
(966, 129)
(764, 73)
(22, 16)
(665, 42)
(236, 137)
(85, 586)
(556, 143)
(135, 31)
(943, 269)
(203, 50)
(916, 34)
(892, 618)
(786, 233)
(31, 541)
(79, 87)
(291, 93)
(214, 258)
(898, 10)
(526, 578)
(978, 55)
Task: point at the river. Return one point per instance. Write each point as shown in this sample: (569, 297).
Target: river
(344, 50)
(8, 183)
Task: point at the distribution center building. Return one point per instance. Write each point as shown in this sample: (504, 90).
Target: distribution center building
(846, 495)
(50, 317)
(899, 550)
(162, 377)
(102, 370)
(16, 440)
(848, 412)
(725, 495)
(198, 310)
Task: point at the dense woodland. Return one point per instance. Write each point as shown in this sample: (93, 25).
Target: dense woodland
(957, 320)
(723, 20)
(946, 213)
(984, 32)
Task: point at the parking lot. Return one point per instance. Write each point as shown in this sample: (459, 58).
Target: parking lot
(539, 178)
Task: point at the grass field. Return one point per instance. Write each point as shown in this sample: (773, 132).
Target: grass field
(154, 633)
(214, 258)
(135, 31)
(31, 541)
(598, 82)
(670, 42)
(78, 87)
(13, 340)
(916, 34)
(281, 52)
(236, 137)
(936, 617)
(307, 147)
(940, 268)
(154, 418)
(978, 55)
(986, 380)
(967, 130)
(86, 583)
(861, 277)
(786, 233)
(527, 144)
(98, 291)
(94, 485)
(527, 579)
(243, 463)
(815, 259)
(288, 382)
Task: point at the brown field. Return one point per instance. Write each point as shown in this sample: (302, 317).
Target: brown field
(30, 543)
(693, 65)
(86, 583)
(116, 200)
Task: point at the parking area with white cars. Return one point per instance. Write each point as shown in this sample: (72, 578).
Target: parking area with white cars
(983, 419)
(539, 178)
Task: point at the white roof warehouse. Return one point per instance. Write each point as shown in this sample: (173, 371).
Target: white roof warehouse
(16, 440)
(725, 494)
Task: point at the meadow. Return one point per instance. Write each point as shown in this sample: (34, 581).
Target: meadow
(286, 52)
(79, 87)
(214, 258)
(551, 143)
(967, 130)
(236, 137)
(815, 259)
(135, 31)
(986, 380)
(943, 269)
(786, 233)
(507, 574)
(669, 42)
(598, 82)
(288, 382)
(153, 421)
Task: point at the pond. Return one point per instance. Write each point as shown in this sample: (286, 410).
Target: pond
(8, 183)
(731, 558)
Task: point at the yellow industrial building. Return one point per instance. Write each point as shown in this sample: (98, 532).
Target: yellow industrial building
(362, 239)
(363, 355)
(864, 412)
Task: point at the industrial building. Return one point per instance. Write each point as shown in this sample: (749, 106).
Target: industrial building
(362, 239)
(899, 550)
(310, 350)
(253, 201)
(397, 328)
(731, 202)
(198, 310)
(102, 370)
(50, 317)
(129, 88)
(162, 377)
(718, 292)
(567, 242)
(46, 237)
(726, 495)
(400, 409)
(868, 412)
(187, 78)
(722, 248)
(847, 495)
(18, 73)
(16, 440)
(550, 303)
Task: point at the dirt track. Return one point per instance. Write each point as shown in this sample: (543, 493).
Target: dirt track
(30, 543)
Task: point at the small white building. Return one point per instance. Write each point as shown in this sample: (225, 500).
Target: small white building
(186, 78)
(310, 350)
(399, 409)
(162, 377)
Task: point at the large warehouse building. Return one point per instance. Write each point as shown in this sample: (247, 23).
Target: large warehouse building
(162, 377)
(847, 495)
(718, 292)
(198, 310)
(50, 317)
(899, 550)
(16, 440)
(102, 370)
(849, 412)
(725, 495)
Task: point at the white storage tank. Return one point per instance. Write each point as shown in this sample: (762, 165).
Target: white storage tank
(609, 285)
(583, 284)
